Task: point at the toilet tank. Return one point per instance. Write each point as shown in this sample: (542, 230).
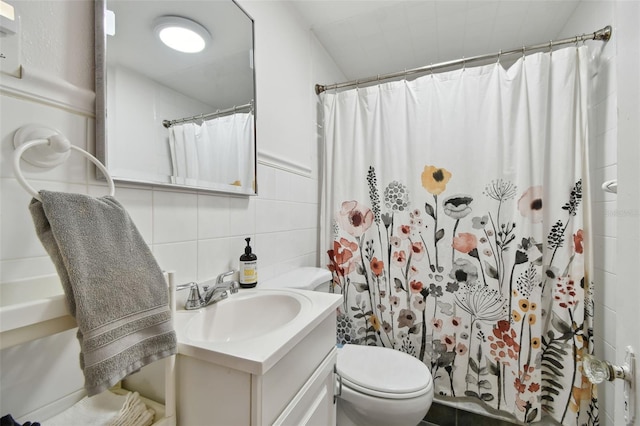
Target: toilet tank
(304, 278)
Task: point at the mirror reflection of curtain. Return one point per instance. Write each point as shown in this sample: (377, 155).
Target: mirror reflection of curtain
(214, 151)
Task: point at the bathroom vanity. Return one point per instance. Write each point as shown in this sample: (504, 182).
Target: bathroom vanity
(260, 357)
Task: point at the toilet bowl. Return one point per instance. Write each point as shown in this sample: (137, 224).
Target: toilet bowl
(377, 386)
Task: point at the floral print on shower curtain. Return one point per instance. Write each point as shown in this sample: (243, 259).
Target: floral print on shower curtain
(455, 228)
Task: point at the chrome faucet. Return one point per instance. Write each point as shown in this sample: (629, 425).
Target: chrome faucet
(212, 293)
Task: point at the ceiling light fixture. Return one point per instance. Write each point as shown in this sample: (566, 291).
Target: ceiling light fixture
(182, 34)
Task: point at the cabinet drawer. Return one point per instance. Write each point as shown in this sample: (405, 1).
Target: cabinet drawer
(274, 391)
(314, 404)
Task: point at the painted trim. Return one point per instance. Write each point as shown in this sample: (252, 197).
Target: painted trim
(279, 162)
(56, 407)
(42, 87)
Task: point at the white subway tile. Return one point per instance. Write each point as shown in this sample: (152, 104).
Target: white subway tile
(178, 257)
(610, 255)
(175, 216)
(605, 81)
(19, 239)
(20, 269)
(610, 148)
(605, 249)
(283, 185)
(604, 218)
(181, 258)
(216, 256)
(610, 223)
(268, 214)
(266, 182)
(609, 322)
(213, 216)
(605, 288)
(606, 114)
(266, 248)
(606, 403)
(242, 211)
(297, 215)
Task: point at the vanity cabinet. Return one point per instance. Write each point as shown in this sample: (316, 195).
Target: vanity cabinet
(297, 390)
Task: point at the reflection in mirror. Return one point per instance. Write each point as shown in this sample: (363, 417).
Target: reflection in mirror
(169, 117)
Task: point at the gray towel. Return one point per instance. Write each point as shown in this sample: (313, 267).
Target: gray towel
(114, 287)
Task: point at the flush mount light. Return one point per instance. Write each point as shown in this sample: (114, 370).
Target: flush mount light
(182, 34)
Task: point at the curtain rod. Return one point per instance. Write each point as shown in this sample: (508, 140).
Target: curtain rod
(169, 123)
(602, 34)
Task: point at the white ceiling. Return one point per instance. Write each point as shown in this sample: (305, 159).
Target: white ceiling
(369, 37)
(364, 37)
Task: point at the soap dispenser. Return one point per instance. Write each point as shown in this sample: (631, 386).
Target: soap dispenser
(248, 267)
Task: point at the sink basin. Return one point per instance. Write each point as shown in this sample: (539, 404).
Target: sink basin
(244, 316)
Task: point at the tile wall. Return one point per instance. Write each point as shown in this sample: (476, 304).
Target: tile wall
(199, 235)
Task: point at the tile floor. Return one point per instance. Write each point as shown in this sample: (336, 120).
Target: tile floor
(443, 415)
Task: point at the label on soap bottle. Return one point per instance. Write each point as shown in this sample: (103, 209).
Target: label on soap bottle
(248, 272)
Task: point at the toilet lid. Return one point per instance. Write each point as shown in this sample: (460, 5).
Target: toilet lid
(383, 372)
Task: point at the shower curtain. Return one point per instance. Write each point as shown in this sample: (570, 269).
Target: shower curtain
(218, 150)
(454, 219)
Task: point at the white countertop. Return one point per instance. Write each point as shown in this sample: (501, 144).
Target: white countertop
(256, 355)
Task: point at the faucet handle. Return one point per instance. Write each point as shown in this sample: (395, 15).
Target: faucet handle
(186, 286)
(234, 286)
(220, 278)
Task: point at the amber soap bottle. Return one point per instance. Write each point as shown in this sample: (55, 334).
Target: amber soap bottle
(248, 267)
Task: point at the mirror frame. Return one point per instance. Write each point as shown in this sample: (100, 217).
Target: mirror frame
(101, 137)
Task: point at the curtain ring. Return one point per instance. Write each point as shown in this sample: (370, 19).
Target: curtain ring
(499, 56)
(523, 49)
(431, 69)
(550, 47)
(464, 64)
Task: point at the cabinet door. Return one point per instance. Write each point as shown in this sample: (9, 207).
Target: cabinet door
(314, 405)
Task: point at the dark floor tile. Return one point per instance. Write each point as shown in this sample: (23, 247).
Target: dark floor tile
(466, 418)
(441, 415)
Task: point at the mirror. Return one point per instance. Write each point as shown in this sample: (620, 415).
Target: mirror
(171, 118)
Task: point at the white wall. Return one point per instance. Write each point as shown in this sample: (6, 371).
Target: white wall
(614, 154)
(137, 106)
(198, 235)
(627, 291)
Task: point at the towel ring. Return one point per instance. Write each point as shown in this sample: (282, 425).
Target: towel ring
(31, 136)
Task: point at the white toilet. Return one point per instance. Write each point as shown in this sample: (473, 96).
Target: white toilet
(379, 386)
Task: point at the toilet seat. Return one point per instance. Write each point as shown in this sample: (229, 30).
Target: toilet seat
(383, 372)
